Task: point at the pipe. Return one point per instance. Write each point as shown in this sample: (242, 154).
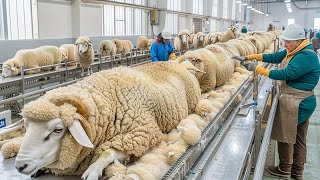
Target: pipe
(304, 8)
(259, 168)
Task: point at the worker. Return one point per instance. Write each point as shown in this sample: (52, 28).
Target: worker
(316, 42)
(297, 76)
(161, 48)
(244, 29)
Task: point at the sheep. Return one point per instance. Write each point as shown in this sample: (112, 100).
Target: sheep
(109, 115)
(191, 38)
(198, 40)
(123, 46)
(181, 42)
(271, 27)
(212, 38)
(32, 58)
(256, 42)
(142, 43)
(231, 33)
(107, 48)
(84, 53)
(68, 51)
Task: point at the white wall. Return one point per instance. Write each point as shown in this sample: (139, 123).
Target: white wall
(279, 13)
(91, 20)
(54, 19)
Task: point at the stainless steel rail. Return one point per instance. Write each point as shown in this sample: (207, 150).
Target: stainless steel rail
(259, 168)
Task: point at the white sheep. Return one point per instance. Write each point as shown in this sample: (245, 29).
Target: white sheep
(107, 48)
(112, 114)
(198, 40)
(231, 33)
(68, 51)
(84, 53)
(181, 42)
(142, 43)
(32, 58)
(212, 38)
(123, 46)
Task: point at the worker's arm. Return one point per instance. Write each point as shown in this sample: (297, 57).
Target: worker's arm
(153, 52)
(269, 58)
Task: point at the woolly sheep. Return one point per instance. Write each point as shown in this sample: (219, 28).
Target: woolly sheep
(142, 43)
(204, 107)
(123, 46)
(118, 112)
(191, 38)
(231, 33)
(84, 53)
(198, 40)
(256, 42)
(68, 50)
(225, 65)
(181, 42)
(32, 58)
(212, 38)
(107, 48)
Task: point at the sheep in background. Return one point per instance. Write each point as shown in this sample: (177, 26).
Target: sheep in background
(212, 38)
(191, 38)
(181, 42)
(142, 43)
(123, 46)
(107, 48)
(68, 50)
(231, 33)
(32, 58)
(84, 53)
(257, 43)
(198, 40)
(100, 118)
(271, 27)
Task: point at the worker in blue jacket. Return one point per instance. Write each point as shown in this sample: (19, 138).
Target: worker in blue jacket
(161, 49)
(297, 76)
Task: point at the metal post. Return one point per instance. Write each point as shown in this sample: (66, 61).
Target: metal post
(22, 81)
(66, 71)
(257, 116)
(100, 60)
(274, 46)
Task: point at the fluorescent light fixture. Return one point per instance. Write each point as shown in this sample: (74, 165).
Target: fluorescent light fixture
(249, 7)
(288, 5)
(238, 1)
(244, 4)
(287, 1)
(267, 14)
(253, 9)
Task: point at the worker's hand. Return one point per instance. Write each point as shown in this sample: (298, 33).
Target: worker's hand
(250, 66)
(240, 58)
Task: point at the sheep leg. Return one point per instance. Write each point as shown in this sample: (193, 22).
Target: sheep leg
(105, 158)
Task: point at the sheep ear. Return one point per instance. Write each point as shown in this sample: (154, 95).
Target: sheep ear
(79, 134)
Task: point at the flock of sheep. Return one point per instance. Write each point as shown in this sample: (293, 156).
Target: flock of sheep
(134, 122)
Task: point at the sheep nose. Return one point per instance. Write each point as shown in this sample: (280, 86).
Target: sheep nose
(21, 168)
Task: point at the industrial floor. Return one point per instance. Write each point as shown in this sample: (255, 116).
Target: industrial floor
(312, 170)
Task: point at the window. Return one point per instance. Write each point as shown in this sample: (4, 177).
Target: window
(15, 19)
(172, 23)
(233, 15)
(198, 7)
(215, 8)
(290, 21)
(225, 9)
(316, 23)
(174, 5)
(213, 25)
(123, 21)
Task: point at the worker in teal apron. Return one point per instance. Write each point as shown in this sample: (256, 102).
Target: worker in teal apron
(297, 76)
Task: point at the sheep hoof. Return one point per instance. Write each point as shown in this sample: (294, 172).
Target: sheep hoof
(94, 172)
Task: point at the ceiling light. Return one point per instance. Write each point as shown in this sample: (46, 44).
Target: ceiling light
(249, 7)
(287, 1)
(244, 4)
(267, 14)
(238, 1)
(253, 9)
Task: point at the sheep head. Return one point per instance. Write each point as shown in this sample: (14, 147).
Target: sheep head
(196, 60)
(57, 134)
(83, 44)
(9, 69)
(184, 36)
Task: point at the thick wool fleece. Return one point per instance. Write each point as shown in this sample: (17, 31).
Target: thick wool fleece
(142, 42)
(224, 64)
(69, 51)
(126, 109)
(107, 48)
(178, 45)
(206, 80)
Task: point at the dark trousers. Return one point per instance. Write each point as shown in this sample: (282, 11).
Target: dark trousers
(293, 156)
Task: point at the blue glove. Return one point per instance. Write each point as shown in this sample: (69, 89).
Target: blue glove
(240, 58)
(250, 66)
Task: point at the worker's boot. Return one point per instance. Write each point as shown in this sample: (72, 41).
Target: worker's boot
(276, 171)
(296, 176)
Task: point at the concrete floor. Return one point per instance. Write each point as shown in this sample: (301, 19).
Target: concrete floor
(312, 170)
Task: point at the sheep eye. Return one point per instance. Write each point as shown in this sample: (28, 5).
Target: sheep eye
(57, 130)
(47, 138)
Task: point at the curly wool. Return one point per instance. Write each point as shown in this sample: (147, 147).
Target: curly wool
(127, 108)
(107, 48)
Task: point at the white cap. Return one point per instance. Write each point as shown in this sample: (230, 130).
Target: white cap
(293, 32)
(166, 35)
